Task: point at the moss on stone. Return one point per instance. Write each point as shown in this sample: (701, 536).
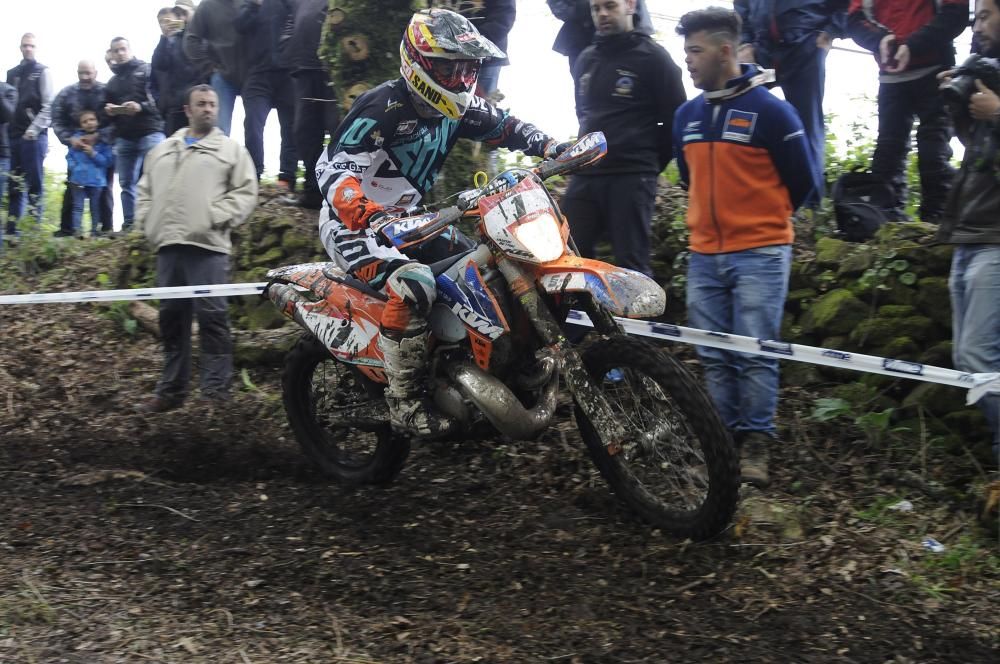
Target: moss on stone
(271, 258)
(856, 263)
(896, 311)
(938, 355)
(878, 332)
(936, 399)
(263, 316)
(837, 312)
(934, 300)
(268, 241)
(797, 299)
(830, 252)
(900, 348)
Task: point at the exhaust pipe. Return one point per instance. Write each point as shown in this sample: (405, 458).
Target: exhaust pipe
(500, 406)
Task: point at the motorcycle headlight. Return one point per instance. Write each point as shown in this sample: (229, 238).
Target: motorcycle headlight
(541, 236)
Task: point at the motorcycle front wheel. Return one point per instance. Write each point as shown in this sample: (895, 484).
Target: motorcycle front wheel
(677, 468)
(317, 390)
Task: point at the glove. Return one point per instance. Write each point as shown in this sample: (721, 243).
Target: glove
(376, 222)
(554, 148)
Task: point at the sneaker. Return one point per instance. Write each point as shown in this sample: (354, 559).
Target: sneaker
(754, 456)
(62, 233)
(159, 404)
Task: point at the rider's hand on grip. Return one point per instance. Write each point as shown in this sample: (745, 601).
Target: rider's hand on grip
(377, 222)
(554, 148)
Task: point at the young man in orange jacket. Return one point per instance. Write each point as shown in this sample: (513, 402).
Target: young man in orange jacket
(745, 158)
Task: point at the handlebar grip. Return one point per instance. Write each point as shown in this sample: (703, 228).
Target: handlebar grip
(445, 217)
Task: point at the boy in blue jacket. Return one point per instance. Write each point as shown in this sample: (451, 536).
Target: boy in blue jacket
(88, 167)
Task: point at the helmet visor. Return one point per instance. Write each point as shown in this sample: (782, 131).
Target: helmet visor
(455, 75)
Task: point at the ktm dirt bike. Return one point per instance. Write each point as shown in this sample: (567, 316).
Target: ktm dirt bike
(500, 350)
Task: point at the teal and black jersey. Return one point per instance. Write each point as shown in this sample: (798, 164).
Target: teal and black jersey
(385, 157)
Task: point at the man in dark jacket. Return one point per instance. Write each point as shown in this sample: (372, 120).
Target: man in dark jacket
(972, 223)
(577, 30)
(912, 43)
(87, 94)
(8, 103)
(793, 37)
(493, 19)
(173, 74)
(315, 102)
(627, 87)
(213, 44)
(267, 86)
(28, 133)
(136, 121)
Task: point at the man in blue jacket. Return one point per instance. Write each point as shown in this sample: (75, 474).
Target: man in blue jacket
(793, 37)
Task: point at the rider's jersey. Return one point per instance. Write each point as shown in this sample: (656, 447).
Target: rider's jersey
(386, 157)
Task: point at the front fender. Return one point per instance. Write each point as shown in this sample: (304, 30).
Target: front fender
(623, 292)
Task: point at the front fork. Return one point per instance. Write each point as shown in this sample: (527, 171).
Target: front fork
(588, 396)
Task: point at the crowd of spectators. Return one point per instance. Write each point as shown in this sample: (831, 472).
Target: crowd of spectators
(749, 160)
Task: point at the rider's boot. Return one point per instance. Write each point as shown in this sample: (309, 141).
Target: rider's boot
(410, 410)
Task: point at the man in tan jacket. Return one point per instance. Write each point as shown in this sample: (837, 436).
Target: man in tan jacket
(198, 185)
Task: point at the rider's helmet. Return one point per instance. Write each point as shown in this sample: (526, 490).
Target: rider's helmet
(440, 55)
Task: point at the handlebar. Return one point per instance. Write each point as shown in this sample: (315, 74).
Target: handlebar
(445, 218)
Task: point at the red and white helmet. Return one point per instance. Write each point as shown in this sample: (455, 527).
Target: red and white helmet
(440, 56)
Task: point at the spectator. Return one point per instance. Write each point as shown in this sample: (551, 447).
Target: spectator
(136, 122)
(577, 30)
(86, 93)
(383, 160)
(29, 134)
(970, 223)
(744, 156)
(793, 37)
(912, 43)
(173, 74)
(8, 104)
(493, 19)
(213, 44)
(315, 103)
(627, 87)
(267, 86)
(199, 185)
(88, 158)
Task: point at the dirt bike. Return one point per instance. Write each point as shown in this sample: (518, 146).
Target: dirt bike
(500, 349)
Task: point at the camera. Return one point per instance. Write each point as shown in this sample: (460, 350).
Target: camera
(963, 80)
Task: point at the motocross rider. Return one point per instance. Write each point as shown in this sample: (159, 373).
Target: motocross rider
(385, 157)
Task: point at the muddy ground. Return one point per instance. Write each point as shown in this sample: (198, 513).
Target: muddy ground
(203, 535)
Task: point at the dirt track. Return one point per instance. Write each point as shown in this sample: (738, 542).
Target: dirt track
(203, 536)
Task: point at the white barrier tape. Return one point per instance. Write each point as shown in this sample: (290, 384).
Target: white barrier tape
(977, 384)
(128, 294)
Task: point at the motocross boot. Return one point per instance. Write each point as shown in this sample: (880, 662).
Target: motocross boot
(410, 410)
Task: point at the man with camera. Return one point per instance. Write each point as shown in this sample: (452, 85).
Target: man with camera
(972, 217)
(912, 43)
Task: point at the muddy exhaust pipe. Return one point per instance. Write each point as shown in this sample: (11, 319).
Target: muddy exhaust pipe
(501, 407)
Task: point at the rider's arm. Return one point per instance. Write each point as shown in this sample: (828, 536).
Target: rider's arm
(485, 122)
(341, 167)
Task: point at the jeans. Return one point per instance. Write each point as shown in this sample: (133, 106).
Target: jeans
(129, 155)
(312, 120)
(801, 73)
(26, 162)
(898, 105)
(186, 265)
(743, 293)
(975, 303)
(596, 206)
(92, 194)
(489, 78)
(262, 92)
(4, 169)
(107, 204)
(228, 93)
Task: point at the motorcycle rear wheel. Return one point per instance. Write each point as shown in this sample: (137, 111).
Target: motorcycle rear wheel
(678, 469)
(314, 387)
